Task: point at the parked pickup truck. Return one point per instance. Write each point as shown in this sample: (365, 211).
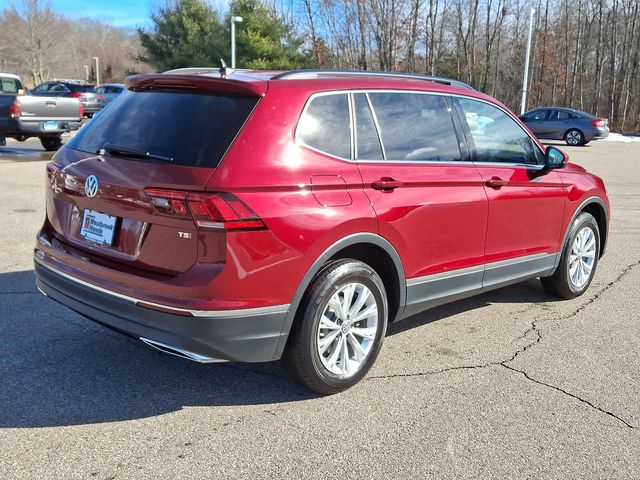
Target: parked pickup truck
(23, 115)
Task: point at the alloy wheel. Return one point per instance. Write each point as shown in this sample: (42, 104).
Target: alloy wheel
(347, 329)
(582, 257)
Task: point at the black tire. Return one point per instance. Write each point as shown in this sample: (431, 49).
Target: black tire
(301, 357)
(560, 283)
(51, 144)
(574, 137)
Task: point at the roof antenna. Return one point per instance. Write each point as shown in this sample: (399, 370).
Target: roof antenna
(224, 70)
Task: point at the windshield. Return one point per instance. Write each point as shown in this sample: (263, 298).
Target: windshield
(192, 129)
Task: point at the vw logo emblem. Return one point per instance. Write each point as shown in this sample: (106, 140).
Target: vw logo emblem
(91, 186)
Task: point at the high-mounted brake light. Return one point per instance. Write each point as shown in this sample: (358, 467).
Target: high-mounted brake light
(14, 109)
(599, 122)
(217, 211)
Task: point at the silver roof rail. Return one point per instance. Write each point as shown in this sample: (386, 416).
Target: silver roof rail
(193, 70)
(315, 73)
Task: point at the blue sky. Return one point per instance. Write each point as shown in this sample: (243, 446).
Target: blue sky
(120, 13)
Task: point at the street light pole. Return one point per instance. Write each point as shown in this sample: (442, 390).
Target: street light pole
(233, 39)
(86, 73)
(525, 81)
(97, 70)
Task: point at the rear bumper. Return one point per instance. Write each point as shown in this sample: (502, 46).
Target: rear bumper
(249, 335)
(36, 128)
(92, 107)
(597, 134)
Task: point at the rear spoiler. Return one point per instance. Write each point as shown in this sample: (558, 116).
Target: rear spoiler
(204, 83)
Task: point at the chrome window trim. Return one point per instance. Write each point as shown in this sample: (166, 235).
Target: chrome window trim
(298, 141)
(377, 125)
(196, 313)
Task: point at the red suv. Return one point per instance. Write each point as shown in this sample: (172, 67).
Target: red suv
(249, 216)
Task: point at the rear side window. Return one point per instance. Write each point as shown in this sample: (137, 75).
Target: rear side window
(496, 136)
(324, 125)
(415, 127)
(82, 89)
(195, 130)
(368, 143)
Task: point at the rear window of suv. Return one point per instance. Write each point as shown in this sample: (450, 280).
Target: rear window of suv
(193, 129)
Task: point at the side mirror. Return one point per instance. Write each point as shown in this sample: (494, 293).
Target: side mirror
(554, 158)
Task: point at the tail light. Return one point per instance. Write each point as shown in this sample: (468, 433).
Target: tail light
(52, 174)
(599, 122)
(76, 95)
(100, 97)
(14, 109)
(217, 211)
(81, 110)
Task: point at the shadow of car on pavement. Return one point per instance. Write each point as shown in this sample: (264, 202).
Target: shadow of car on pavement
(59, 369)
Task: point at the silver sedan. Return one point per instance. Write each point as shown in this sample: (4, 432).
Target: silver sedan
(573, 126)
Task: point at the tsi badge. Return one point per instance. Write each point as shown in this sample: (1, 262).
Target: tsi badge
(91, 186)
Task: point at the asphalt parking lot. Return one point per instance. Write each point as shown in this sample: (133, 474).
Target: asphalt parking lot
(510, 384)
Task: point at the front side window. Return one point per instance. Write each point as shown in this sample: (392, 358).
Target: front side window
(497, 137)
(415, 127)
(536, 116)
(324, 125)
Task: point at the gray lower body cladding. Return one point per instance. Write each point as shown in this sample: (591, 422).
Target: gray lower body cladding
(251, 338)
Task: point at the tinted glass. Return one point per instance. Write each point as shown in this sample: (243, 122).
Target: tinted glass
(194, 130)
(497, 137)
(415, 127)
(9, 85)
(368, 142)
(536, 116)
(562, 115)
(325, 125)
(41, 88)
(82, 88)
(58, 88)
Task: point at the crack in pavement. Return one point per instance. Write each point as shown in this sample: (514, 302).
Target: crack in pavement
(580, 399)
(538, 339)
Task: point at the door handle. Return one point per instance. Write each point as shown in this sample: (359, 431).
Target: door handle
(496, 182)
(386, 184)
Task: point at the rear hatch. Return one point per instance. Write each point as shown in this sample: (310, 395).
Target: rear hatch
(124, 188)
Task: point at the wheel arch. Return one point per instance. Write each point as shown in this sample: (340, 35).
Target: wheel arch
(369, 248)
(598, 208)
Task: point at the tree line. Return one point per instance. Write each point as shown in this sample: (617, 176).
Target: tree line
(40, 44)
(585, 54)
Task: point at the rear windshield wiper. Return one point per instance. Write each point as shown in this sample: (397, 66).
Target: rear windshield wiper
(131, 152)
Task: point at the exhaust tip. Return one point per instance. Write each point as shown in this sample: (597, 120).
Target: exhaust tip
(179, 352)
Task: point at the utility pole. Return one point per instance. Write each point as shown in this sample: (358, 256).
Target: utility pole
(233, 39)
(525, 81)
(86, 73)
(97, 70)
